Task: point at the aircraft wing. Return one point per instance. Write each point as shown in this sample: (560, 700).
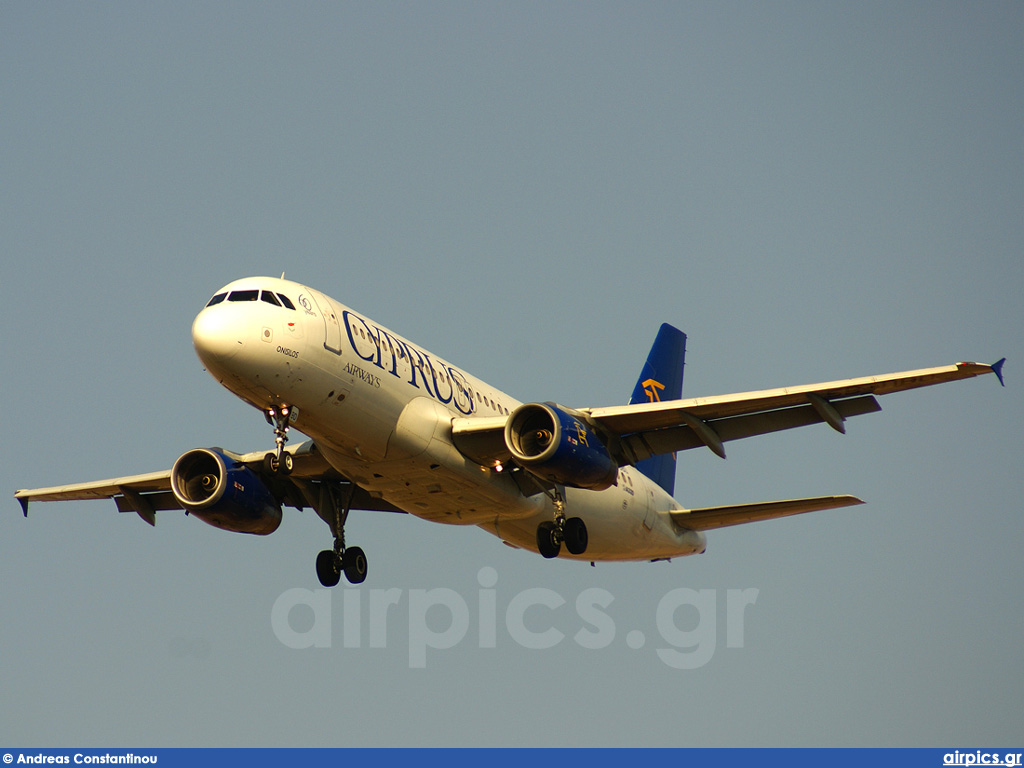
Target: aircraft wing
(654, 428)
(149, 493)
(638, 431)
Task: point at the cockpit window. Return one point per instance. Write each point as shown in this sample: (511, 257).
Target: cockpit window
(277, 299)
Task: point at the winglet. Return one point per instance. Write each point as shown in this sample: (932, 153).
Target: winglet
(997, 369)
(23, 500)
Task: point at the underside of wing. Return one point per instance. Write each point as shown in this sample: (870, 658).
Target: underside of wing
(709, 518)
(98, 489)
(144, 494)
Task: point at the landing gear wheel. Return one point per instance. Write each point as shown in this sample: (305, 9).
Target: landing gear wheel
(327, 568)
(575, 536)
(274, 466)
(549, 543)
(353, 562)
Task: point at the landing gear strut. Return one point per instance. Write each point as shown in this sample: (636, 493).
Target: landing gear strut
(551, 534)
(351, 561)
(279, 462)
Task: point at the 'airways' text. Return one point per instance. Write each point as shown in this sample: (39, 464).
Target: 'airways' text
(354, 370)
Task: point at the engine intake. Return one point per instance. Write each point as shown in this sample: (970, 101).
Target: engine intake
(550, 442)
(223, 493)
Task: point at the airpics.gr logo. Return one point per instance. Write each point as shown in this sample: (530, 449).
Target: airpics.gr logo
(536, 618)
(651, 389)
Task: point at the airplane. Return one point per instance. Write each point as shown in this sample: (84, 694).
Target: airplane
(395, 428)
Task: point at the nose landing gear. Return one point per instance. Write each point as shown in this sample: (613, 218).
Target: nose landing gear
(279, 462)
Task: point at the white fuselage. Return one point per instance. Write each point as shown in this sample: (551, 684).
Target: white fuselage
(380, 410)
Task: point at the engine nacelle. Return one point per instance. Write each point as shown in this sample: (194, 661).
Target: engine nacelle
(553, 444)
(223, 493)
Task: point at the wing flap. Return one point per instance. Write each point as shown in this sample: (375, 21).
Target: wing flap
(157, 502)
(709, 518)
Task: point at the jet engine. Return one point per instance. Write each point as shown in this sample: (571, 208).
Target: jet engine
(550, 442)
(224, 493)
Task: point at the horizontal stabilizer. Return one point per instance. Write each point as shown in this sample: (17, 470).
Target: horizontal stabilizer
(709, 518)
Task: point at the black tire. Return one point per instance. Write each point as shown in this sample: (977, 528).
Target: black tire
(327, 568)
(287, 465)
(354, 565)
(575, 536)
(547, 540)
(270, 464)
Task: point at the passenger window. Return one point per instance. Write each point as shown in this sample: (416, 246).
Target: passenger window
(244, 296)
(270, 298)
(217, 299)
(286, 301)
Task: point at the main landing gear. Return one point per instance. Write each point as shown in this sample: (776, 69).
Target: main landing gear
(551, 534)
(279, 462)
(331, 563)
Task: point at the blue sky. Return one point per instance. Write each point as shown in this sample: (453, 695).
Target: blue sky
(810, 191)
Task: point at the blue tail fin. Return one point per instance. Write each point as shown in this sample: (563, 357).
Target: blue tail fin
(662, 379)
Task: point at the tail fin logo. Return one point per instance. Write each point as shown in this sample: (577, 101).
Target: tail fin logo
(651, 389)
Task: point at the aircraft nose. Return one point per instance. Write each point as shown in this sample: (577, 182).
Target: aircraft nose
(215, 336)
